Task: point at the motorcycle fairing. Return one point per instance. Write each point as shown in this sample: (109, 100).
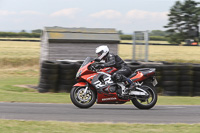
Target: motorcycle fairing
(109, 70)
(146, 71)
(106, 98)
(102, 81)
(81, 84)
(141, 74)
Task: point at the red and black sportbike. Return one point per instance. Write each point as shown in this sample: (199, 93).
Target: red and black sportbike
(97, 85)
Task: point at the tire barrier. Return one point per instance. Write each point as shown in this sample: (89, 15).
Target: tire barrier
(169, 80)
(67, 73)
(185, 80)
(173, 79)
(48, 77)
(196, 79)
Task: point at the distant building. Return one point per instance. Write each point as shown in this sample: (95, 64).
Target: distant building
(58, 43)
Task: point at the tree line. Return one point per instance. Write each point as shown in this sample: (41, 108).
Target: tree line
(154, 35)
(23, 34)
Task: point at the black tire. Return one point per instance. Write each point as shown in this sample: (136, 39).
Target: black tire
(196, 68)
(170, 67)
(196, 73)
(186, 83)
(67, 77)
(186, 72)
(49, 71)
(184, 93)
(67, 82)
(197, 84)
(170, 93)
(138, 101)
(186, 88)
(171, 88)
(170, 78)
(67, 72)
(133, 68)
(186, 78)
(185, 67)
(49, 65)
(170, 73)
(169, 83)
(46, 81)
(66, 65)
(196, 93)
(49, 76)
(82, 104)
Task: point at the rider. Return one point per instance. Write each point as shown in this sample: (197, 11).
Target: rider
(112, 60)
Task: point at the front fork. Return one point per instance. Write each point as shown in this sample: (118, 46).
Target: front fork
(85, 91)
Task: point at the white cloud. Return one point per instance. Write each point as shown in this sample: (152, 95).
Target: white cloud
(69, 12)
(5, 12)
(139, 14)
(108, 14)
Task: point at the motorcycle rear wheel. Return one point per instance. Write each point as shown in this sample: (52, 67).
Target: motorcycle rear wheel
(79, 99)
(142, 102)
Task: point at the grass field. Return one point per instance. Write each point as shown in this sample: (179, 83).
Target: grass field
(13, 53)
(16, 126)
(180, 54)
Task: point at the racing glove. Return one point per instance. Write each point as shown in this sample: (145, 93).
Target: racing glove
(99, 66)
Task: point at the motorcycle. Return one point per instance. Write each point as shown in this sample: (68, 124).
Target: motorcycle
(96, 85)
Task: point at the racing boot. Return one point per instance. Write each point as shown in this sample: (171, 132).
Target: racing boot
(131, 87)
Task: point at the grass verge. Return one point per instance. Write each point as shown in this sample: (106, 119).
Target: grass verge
(17, 126)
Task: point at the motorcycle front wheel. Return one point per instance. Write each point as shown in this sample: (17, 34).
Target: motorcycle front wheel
(146, 102)
(80, 99)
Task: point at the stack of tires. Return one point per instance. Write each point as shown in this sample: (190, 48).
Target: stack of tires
(196, 79)
(185, 80)
(158, 75)
(67, 73)
(135, 65)
(48, 77)
(170, 76)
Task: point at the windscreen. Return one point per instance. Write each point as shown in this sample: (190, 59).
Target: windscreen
(87, 60)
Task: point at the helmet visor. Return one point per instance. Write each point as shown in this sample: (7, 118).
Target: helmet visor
(100, 53)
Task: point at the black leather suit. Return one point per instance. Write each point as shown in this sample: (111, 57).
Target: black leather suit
(112, 60)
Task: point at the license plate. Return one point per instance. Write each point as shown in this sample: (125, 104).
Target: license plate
(155, 82)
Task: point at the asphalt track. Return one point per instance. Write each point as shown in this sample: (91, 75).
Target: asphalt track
(100, 113)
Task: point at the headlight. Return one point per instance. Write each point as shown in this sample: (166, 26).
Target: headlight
(78, 74)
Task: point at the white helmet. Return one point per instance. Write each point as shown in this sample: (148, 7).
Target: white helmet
(102, 51)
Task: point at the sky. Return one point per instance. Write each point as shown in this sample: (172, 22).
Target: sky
(124, 15)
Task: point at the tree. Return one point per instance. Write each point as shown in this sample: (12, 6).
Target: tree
(120, 32)
(158, 33)
(37, 31)
(23, 31)
(183, 23)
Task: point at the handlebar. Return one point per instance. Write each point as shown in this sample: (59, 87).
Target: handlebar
(91, 67)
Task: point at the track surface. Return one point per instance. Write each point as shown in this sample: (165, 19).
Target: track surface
(100, 113)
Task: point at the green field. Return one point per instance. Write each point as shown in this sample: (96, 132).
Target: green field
(16, 126)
